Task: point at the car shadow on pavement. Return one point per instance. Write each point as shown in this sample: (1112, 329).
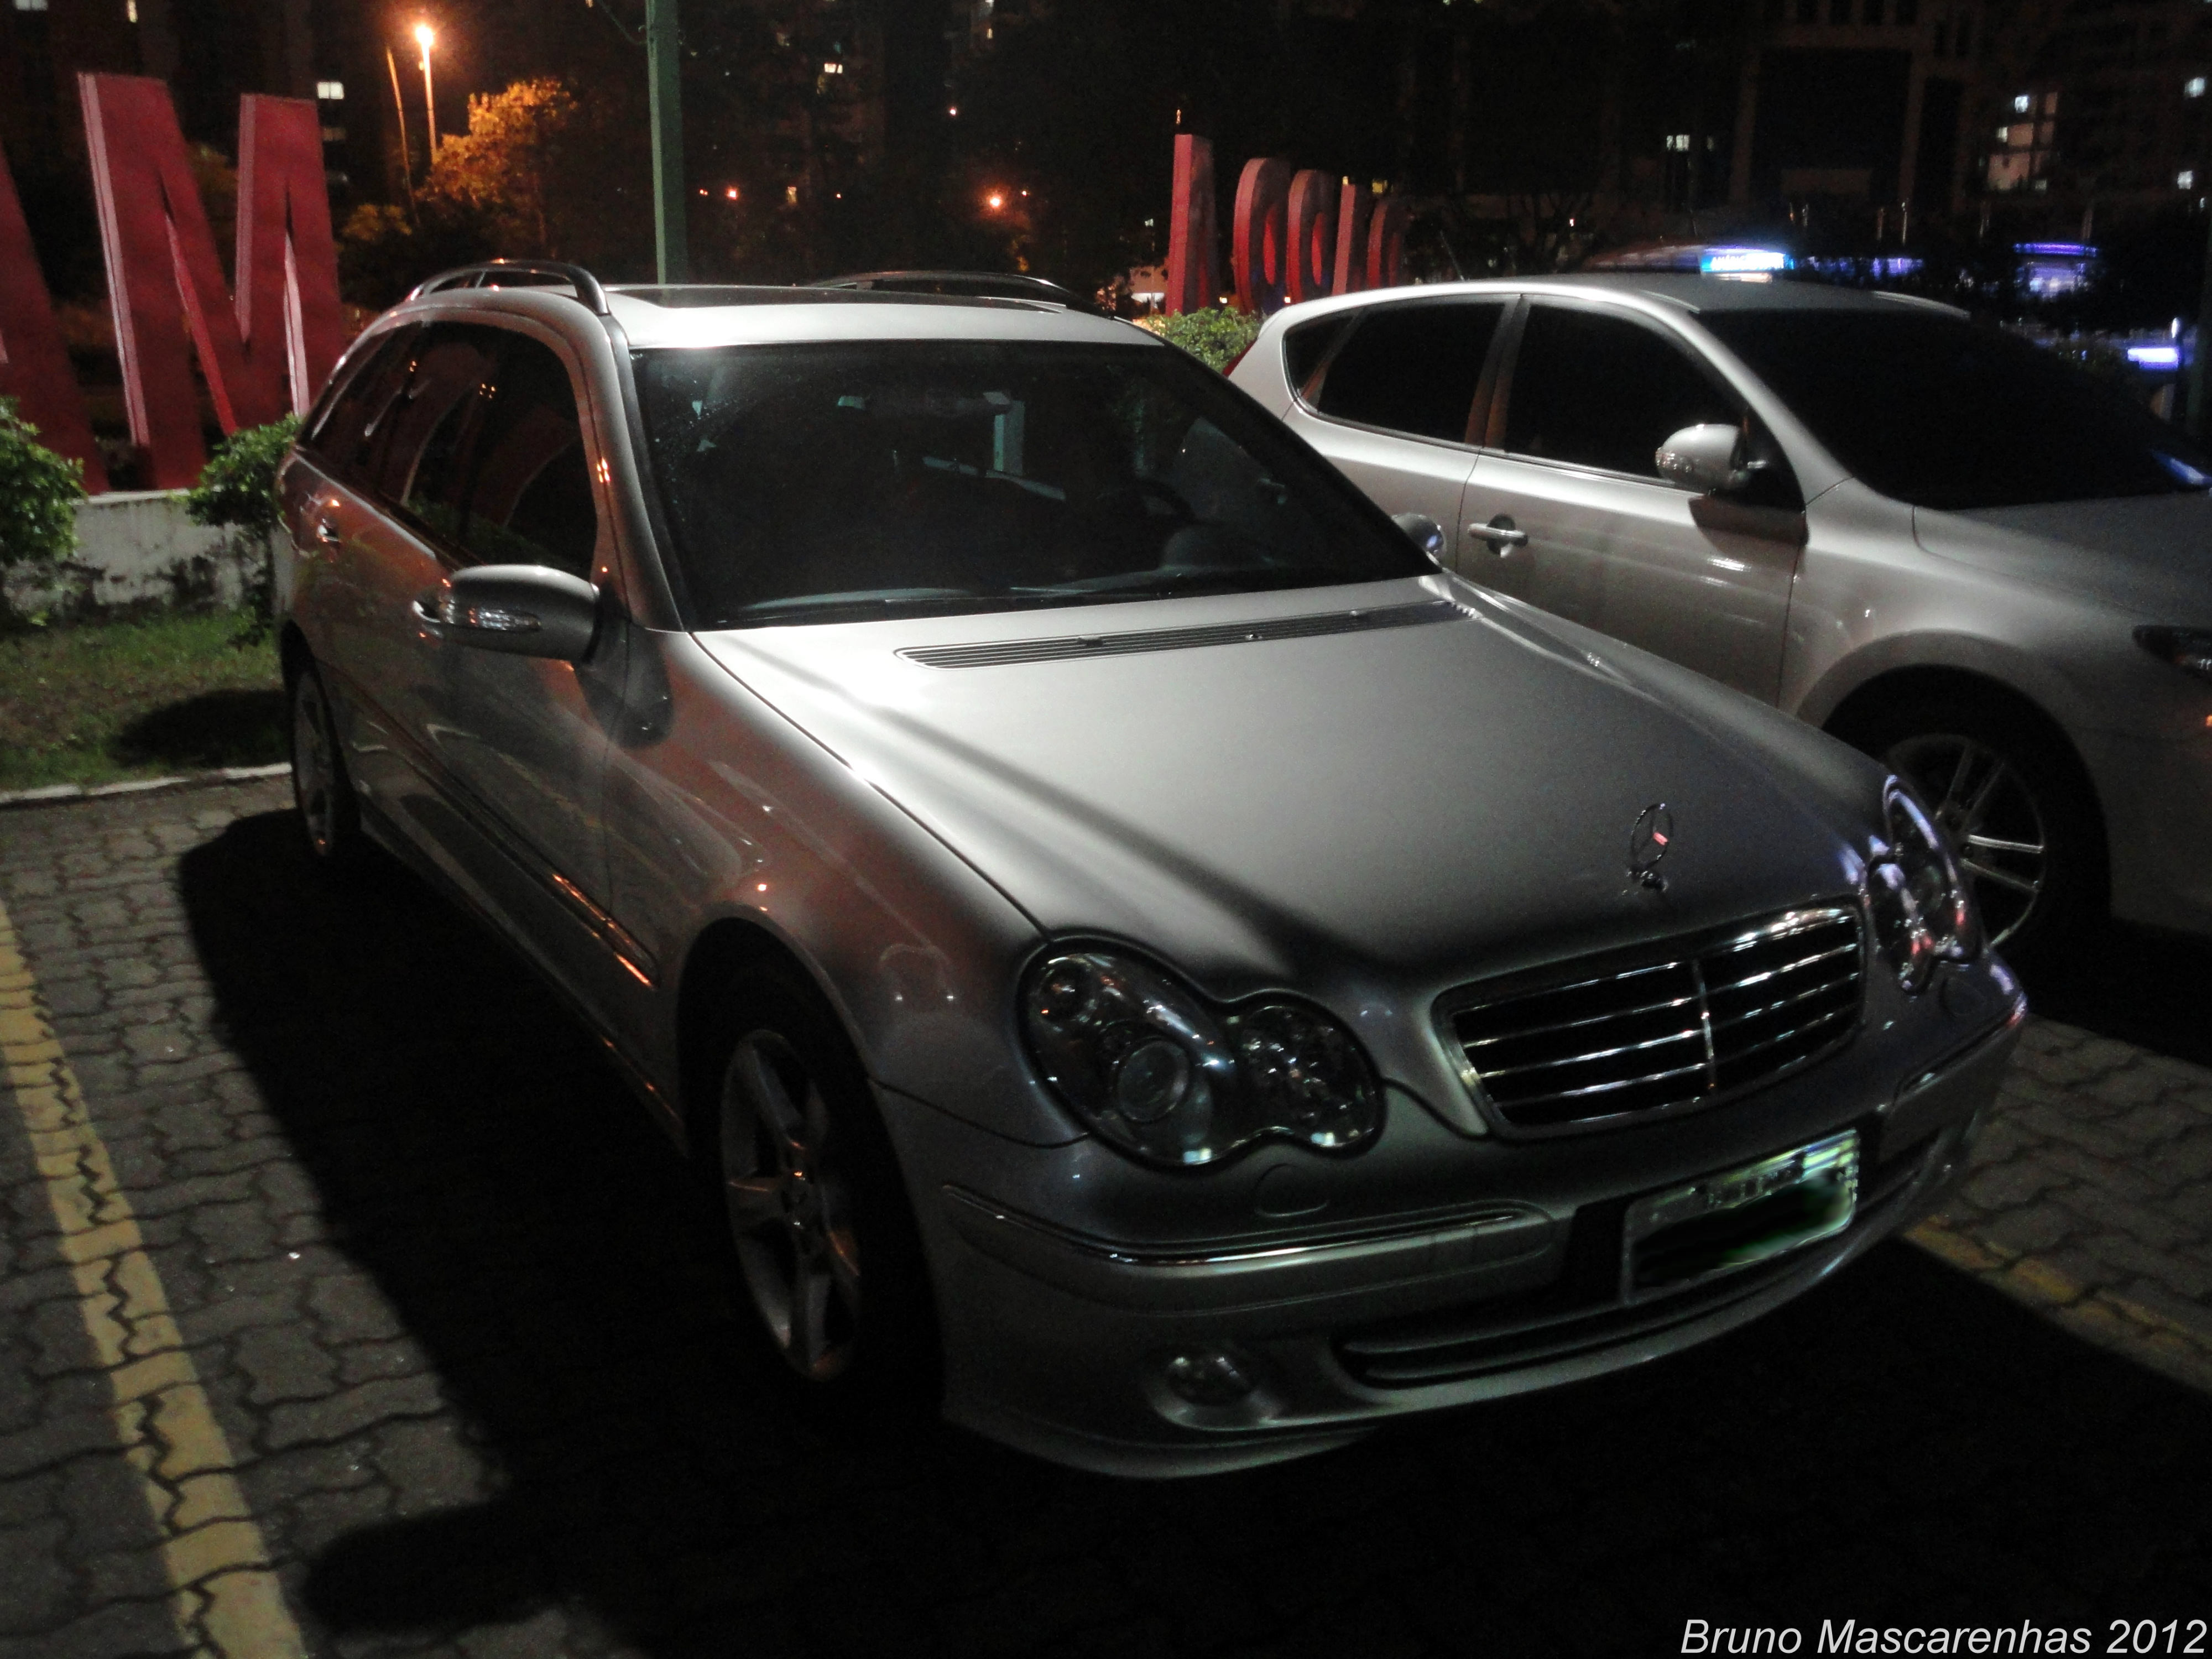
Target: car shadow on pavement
(1902, 1446)
(2138, 984)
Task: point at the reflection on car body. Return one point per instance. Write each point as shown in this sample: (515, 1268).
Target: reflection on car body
(1152, 966)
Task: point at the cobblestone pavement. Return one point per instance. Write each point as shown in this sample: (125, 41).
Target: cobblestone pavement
(347, 1291)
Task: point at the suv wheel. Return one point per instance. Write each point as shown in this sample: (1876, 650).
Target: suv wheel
(2016, 810)
(329, 813)
(817, 1212)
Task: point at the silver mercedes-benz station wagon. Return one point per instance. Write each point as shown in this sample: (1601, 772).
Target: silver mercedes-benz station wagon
(1153, 967)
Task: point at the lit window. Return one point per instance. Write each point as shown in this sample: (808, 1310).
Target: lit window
(30, 5)
(330, 91)
(1678, 141)
(2193, 87)
(790, 194)
(334, 135)
(2185, 179)
(833, 68)
(130, 10)
(2022, 105)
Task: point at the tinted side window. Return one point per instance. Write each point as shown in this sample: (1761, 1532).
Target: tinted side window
(337, 424)
(415, 455)
(342, 437)
(1604, 391)
(1412, 368)
(530, 499)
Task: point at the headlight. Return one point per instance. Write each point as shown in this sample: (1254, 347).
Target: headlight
(2189, 649)
(1150, 1067)
(1922, 915)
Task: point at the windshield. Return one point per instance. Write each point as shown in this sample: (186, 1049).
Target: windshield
(835, 481)
(1940, 412)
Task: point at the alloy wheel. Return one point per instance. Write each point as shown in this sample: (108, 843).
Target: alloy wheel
(314, 766)
(1996, 824)
(790, 1208)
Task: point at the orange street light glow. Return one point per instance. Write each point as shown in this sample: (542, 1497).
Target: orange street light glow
(425, 36)
(731, 192)
(995, 201)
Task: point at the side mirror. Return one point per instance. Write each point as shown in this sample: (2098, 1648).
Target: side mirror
(1704, 458)
(1425, 532)
(525, 609)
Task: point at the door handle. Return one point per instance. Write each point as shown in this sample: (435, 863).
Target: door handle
(431, 607)
(1500, 534)
(326, 532)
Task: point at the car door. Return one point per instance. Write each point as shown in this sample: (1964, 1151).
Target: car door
(484, 459)
(1567, 509)
(1388, 392)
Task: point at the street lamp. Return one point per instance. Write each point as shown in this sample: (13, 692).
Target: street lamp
(425, 37)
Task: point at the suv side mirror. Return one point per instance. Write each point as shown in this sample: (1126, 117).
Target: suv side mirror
(1704, 458)
(1425, 532)
(530, 609)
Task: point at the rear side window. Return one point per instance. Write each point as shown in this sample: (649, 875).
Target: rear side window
(1604, 391)
(1412, 368)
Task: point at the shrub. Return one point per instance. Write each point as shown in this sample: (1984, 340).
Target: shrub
(1214, 336)
(39, 494)
(238, 487)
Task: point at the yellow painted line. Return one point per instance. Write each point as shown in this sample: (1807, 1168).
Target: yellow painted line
(225, 1597)
(2111, 1319)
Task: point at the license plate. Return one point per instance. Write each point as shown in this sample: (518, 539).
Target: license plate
(1722, 1224)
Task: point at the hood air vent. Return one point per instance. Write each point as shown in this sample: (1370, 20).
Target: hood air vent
(1000, 653)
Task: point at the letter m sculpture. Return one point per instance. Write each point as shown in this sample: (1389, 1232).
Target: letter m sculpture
(269, 352)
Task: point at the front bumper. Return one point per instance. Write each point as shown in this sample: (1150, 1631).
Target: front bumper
(1059, 1341)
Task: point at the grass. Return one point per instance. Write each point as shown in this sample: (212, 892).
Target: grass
(100, 703)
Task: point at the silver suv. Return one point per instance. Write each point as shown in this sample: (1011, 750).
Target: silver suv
(1933, 540)
(1148, 964)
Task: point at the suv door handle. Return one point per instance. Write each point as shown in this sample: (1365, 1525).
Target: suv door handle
(326, 532)
(1500, 534)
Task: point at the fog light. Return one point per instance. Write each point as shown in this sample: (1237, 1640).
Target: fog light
(1211, 1378)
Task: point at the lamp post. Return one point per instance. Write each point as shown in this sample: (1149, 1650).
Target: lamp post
(425, 37)
(665, 102)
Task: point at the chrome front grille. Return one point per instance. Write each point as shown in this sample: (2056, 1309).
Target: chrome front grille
(1680, 1025)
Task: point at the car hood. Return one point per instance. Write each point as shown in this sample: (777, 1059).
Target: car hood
(1419, 800)
(2150, 556)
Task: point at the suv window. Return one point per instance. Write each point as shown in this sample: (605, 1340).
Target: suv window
(1412, 368)
(340, 437)
(530, 498)
(1605, 391)
(481, 447)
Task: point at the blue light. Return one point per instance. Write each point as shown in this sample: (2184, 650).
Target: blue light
(2155, 356)
(1735, 261)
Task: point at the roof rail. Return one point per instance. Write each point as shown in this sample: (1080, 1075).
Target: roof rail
(488, 273)
(970, 284)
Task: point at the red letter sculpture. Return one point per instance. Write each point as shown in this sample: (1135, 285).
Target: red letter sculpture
(163, 275)
(1386, 243)
(34, 365)
(1260, 250)
(1354, 207)
(1193, 272)
(1312, 236)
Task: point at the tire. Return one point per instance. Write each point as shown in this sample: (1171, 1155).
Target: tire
(2019, 814)
(809, 1195)
(330, 812)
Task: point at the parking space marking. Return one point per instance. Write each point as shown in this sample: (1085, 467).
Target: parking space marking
(2111, 1321)
(225, 1598)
